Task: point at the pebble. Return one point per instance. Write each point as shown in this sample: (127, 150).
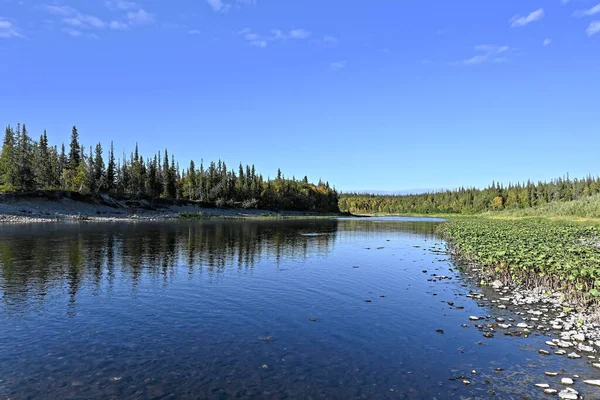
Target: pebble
(560, 352)
(550, 391)
(551, 373)
(573, 355)
(568, 394)
(544, 352)
(566, 381)
(542, 385)
(593, 382)
(473, 318)
(579, 336)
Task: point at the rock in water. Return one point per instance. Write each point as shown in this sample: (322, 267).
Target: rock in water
(542, 385)
(566, 381)
(568, 394)
(593, 382)
(550, 391)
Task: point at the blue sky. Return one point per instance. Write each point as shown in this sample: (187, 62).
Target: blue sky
(378, 95)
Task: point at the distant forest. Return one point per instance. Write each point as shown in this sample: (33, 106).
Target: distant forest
(470, 201)
(28, 165)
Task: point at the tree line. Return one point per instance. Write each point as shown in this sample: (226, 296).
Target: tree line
(472, 200)
(28, 165)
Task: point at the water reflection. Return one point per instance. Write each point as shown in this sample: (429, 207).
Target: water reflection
(37, 259)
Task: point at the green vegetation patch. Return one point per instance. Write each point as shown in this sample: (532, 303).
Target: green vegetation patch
(557, 255)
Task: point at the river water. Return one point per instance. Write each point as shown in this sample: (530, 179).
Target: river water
(243, 309)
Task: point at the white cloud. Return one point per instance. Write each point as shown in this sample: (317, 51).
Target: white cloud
(259, 40)
(329, 41)
(139, 17)
(117, 26)
(586, 13)
(547, 42)
(75, 21)
(336, 66)
(258, 43)
(194, 32)
(218, 5)
(72, 32)
(533, 16)
(221, 6)
(120, 5)
(488, 53)
(8, 30)
(593, 29)
(299, 34)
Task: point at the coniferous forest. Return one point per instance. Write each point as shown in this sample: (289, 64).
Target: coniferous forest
(27, 165)
(471, 200)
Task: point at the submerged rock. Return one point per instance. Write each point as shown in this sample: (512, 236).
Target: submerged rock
(593, 382)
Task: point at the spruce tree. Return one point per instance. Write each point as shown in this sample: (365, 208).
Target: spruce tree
(74, 150)
(99, 168)
(25, 174)
(7, 160)
(111, 169)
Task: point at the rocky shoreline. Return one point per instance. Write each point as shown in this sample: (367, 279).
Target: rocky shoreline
(574, 333)
(44, 209)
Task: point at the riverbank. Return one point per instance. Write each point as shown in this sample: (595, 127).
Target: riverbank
(44, 207)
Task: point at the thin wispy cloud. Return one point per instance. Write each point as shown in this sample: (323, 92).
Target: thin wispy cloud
(139, 17)
(194, 32)
(120, 5)
(74, 18)
(338, 65)
(299, 34)
(587, 13)
(8, 30)
(218, 5)
(533, 16)
(487, 53)
(221, 6)
(329, 41)
(593, 29)
(262, 41)
(76, 22)
(547, 42)
(72, 32)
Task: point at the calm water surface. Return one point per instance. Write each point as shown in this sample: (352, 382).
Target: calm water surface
(176, 310)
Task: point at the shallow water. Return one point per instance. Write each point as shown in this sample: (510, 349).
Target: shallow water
(176, 310)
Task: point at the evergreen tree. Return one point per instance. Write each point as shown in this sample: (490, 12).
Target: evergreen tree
(111, 169)
(98, 173)
(74, 149)
(25, 175)
(8, 172)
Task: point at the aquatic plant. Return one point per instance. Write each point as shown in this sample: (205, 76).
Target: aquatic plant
(559, 256)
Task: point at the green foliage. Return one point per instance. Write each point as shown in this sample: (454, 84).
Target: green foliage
(28, 165)
(542, 198)
(564, 255)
